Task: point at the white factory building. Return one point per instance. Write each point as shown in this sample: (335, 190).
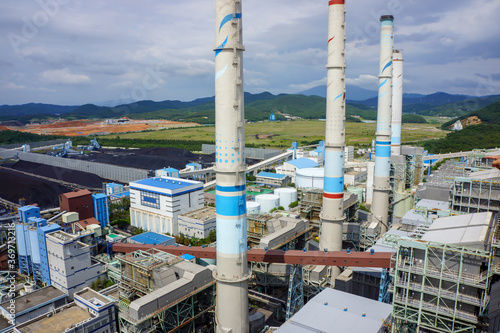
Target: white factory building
(290, 168)
(198, 223)
(156, 202)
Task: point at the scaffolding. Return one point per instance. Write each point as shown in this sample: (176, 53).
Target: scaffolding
(295, 300)
(441, 287)
(476, 195)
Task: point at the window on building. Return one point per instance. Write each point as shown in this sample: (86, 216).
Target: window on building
(150, 199)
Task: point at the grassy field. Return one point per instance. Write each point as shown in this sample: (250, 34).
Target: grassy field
(282, 134)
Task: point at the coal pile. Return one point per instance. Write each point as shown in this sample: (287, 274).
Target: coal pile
(15, 185)
(148, 158)
(70, 176)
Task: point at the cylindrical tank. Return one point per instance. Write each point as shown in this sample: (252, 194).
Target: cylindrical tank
(29, 287)
(287, 196)
(310, 178)
(402, 203)
(267, 202)
(356, 190)
(253, 207)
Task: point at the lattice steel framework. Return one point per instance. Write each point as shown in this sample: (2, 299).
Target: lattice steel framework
(476, 195)
(432, 289)
(295, 300)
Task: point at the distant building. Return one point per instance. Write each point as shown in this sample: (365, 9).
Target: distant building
(272, 179)
(152, 238)
(167, 172)
(79, 202)
(101, 208)
(198, 223)
(289, 168)
(156, 202)
(116, 192)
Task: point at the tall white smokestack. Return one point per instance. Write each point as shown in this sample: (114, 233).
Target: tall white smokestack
(332, 214)
(381, 186)
(397, 102)
(231, 310)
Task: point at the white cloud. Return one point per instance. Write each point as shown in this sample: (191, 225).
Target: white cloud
(363, 81)
(64, 76)
(309, 85)
(13, 86)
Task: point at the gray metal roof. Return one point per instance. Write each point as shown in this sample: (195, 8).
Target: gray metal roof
(433, 204)
(469, 230)
(337, 311)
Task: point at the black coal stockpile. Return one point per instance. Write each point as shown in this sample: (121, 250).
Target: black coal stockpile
(15, 185)
(149, 158)
(70, 176)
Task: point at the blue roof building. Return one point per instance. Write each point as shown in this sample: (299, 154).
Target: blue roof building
(167, 172)
(156, 202)
(272, 179)
(302, 163)
(152, 238)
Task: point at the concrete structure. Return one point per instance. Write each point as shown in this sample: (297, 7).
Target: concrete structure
(272, 179)
(152, 238)
(349, 154)
(198, 223)
(370, 175)
(337, 311)
(290, 168)
(287, 196)
(332, 213)
(442, 281)
(310, 178)
(281, 230)
(232, 272)
(397, 102)
(101, 208)
(70, 263)
(381, 187)
(268, 202)
(34, 304)
(156, 202)
(79, 202)
(90, 312)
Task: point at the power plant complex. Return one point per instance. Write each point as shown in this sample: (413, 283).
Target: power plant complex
(317, 241)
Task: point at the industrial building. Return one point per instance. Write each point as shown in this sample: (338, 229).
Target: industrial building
(151, 238)
(442, 281)
(79, 202)
(101, 208)
(70, 263)
(156, 202)
(480, 192)
(197, 223)
(272, 179)
(89, 312)
(290, 168)
(311, 202)
(157, 290)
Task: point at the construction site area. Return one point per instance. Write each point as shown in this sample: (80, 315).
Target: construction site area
(85, 127)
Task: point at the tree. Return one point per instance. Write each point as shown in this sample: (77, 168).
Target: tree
(294, 204)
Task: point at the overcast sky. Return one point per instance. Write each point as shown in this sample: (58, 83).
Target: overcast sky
(84, 51)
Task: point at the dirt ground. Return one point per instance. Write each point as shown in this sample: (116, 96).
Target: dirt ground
(88, 127)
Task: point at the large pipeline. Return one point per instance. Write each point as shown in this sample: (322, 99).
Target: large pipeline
(332, 214)
(381, 185)
(231, 308)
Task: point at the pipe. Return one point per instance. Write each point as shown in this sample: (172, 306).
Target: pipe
(231, 309)
(381, 186)
(332, 214)
(397, 102)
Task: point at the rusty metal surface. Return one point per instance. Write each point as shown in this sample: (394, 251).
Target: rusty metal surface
(339, 258)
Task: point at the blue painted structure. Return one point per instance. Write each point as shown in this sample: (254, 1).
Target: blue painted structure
(28, 211)
(152, 238)
(167, 172)
(272, 117)
(101, 209)
(304, 162)
(42, 244)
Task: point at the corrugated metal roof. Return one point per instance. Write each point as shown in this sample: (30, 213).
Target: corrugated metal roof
(271, 175)
(302, 163)
(337, 311)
